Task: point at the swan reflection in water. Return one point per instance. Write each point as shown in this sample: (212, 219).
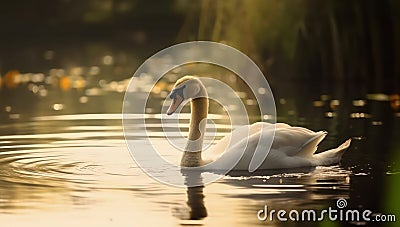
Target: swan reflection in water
(195, 209)
(263, 187)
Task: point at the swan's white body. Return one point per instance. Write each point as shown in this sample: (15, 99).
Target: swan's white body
(292, 147)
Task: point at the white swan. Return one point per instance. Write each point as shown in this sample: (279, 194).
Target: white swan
(292, 147)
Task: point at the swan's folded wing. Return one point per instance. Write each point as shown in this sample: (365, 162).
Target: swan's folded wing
(297, 141)
(311, 146)
(245, 131)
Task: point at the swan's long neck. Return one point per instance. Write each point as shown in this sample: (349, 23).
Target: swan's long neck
(192, 154)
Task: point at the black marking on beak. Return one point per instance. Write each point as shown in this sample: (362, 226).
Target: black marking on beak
(177, 91)
(177, 96)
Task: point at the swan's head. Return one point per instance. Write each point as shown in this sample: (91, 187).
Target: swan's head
(186, 88)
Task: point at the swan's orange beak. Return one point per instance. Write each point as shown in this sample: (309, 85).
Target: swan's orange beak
(176, 101)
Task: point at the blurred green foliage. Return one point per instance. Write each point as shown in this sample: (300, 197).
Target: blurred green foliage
(331, 40)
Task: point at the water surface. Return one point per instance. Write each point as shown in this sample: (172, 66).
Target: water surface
(76, 169)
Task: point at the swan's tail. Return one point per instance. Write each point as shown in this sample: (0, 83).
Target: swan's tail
(332, 156)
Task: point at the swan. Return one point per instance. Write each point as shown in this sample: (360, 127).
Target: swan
(292, 147)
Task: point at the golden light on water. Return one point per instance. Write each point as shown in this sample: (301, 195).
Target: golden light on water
(58, 106)
(395, 101)
(108, 60)
(11, 79)
(65, 83)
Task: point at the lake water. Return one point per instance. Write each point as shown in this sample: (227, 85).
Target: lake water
(64, 162)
